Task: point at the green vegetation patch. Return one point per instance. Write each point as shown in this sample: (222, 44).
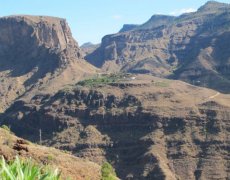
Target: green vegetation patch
(161, 84)
(5, 127)
(107, 172)
(103, 80)
(26, 170)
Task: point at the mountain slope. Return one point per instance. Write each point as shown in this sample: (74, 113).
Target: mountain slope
(147, 127)
(193, 47)
(128, 27)
(69, 166)
(37, 52)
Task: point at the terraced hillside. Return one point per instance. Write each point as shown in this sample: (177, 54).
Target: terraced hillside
(147, 127)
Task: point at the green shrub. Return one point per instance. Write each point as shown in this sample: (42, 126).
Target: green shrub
(50, 157)
(26, 170)
(5, 127)
(108, 172)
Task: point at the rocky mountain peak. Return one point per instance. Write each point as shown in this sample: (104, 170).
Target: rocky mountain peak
(35, 51)
(193, 47)
(87, 44)
(157, 21)
(160, 17)
(128, 27)
(213, 6)
(88, 47)
(154, 22)
(33, 32)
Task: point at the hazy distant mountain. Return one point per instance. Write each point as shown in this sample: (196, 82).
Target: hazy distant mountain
(193, 47)
(157, 21)
(128, 27)
(89, 47)
(153, 22)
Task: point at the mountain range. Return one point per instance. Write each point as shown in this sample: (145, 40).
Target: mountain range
(152, 99)
(192, 47)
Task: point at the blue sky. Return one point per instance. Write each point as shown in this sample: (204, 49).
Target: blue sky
(90, 20)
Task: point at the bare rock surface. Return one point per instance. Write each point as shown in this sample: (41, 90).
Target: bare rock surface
(37, 53)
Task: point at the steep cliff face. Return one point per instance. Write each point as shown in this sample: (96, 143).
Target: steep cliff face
(148, 128)
(30, 39)
(193, 47)
(35, 50)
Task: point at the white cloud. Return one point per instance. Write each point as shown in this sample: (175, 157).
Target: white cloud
(182, 11)
(117, 17)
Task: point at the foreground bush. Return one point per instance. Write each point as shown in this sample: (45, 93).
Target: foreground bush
(5, 127)
(25, 170)
(108, 172)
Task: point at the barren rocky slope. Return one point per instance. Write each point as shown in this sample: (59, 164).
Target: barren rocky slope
(193, 47)
(148, 128)
(37, 54)
(69, 166)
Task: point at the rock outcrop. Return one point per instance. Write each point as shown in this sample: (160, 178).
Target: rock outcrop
(148, 128)
(193, 47)
(35, 51)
